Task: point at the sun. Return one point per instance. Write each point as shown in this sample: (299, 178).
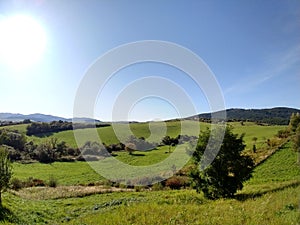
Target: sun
(22, 41)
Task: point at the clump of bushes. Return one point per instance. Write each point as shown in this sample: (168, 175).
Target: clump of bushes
(177, 182)
(17, 184)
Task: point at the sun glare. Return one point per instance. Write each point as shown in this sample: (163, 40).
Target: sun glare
(22, 41)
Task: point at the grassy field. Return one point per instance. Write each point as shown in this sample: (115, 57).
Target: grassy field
(69, 174)
(66, 173)
(270, 197)
(155, 132)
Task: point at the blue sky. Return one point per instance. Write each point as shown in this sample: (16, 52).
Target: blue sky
(252, 47)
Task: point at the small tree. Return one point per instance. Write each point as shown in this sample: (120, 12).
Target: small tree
(130, 148)
(5, 171)
(230, 168)
(297, 142)
(294, 121)
(167, 140)
(254, 148)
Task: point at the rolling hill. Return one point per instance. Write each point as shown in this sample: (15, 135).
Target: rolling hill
(38, 117)
(278, 115)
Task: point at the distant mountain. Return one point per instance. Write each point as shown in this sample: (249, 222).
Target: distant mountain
(278, 115)
(38, 117)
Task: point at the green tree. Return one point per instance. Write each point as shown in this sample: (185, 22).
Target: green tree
(227, 172)
(167, 140)
(297, 142)
(5, 171)
(294, 121)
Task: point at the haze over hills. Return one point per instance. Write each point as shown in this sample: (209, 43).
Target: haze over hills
(278, 115)
(38, 117)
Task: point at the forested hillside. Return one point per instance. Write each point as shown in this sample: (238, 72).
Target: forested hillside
(278, 116)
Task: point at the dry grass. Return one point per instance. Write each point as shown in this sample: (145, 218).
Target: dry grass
(45, 193)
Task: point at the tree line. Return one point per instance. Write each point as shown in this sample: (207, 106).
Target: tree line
(42, 128)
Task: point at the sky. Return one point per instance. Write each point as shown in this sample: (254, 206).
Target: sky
(252, 48)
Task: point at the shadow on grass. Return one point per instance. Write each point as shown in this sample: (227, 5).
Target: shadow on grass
(7, 215)
(138, 154)
(244, 197)
(43, 135)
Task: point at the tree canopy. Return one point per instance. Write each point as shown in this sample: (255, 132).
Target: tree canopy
(5, 171)
(227, 172)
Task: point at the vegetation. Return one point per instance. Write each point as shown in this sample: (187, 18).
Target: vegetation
(41, 129)
(269, 197)
(274, 116)
(81, 196)
(294, 121)
(5, 172)
(229, 168)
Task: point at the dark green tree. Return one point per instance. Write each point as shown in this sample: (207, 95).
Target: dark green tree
(229, 169)
(5, 171)
(167, 140)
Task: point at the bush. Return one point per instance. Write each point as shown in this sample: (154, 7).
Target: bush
(157, 187)
(32, 182)
(16, 184)
(52, 182)
(176, 182)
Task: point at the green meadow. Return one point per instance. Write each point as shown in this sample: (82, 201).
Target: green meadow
(154, 132)
(270, 197)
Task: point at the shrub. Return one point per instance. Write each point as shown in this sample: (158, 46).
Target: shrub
(52, 182)
(157, 187)
(32, 182)
(176, 182)
(16, 184)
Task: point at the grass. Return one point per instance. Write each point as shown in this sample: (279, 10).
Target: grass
(282, 166)
(66, 173)
(252, 130)
(20, 127)
(69, 174)
(153, 132)
(270, 197)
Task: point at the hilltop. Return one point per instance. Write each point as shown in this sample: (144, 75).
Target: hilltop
(38, 117)
(278, 115)
(274, 116)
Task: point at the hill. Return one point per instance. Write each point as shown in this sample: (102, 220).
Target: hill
(278, 115)
(38, 117)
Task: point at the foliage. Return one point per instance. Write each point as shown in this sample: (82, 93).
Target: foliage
(230, 168)
(269, 197)
(16, 184)
(93, 149)
(130, 148)
(283, 133)
(297, 141)
(294, 121)
(42, 128)
(177, 182)
(52, 182)
(167, 140)
(5, 171)
(13, 139)
(274, 116)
